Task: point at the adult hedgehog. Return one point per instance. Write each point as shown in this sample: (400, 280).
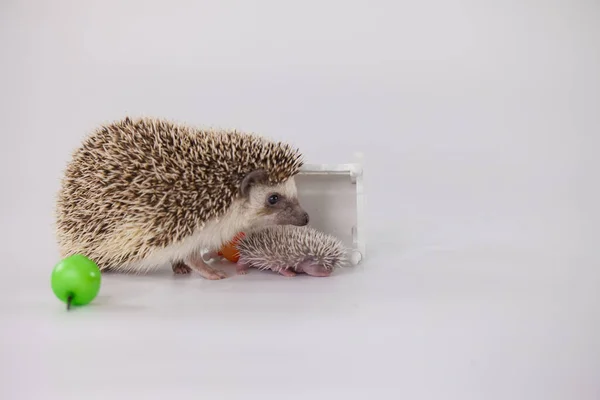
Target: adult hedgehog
(142, 193)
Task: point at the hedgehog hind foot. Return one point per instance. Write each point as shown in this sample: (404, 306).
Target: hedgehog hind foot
(206, 271)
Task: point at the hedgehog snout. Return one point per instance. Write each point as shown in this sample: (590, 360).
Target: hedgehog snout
(292, 216)
(306, 218)
(301, 218)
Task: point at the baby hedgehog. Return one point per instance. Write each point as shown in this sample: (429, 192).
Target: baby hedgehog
(142, 193)
(289, 250)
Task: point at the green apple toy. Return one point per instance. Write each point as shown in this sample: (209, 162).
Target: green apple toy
(76, 280)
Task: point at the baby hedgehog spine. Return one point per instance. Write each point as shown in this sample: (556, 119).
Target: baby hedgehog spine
(289, 249)
(141, 193)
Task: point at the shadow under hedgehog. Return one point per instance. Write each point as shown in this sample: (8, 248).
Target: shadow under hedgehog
(138, 194)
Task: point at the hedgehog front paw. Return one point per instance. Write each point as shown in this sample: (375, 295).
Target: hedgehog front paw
(286, 272)
(181, 269)
(205, 270)
(242, 269)
(212, 274)
(314, 269)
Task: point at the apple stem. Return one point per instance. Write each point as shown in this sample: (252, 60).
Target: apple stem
(69, 300)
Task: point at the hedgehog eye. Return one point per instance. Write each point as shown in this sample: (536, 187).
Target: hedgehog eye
(274, 198)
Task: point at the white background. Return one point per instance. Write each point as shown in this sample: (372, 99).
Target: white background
(479, 122)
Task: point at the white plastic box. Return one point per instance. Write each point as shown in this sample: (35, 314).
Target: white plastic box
(333, 196)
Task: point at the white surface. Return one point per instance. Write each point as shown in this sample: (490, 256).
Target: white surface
(479, 121)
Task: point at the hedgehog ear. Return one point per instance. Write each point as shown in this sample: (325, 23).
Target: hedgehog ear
(255, 177)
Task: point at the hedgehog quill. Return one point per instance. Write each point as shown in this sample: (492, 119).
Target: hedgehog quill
(289, 249)
(138, 194)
